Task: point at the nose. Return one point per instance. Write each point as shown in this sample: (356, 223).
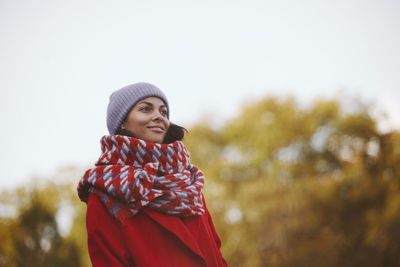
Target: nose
(158, 117)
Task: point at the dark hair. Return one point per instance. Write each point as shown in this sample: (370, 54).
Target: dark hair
(174, 133)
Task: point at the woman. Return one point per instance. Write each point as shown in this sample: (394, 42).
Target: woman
(145, 205)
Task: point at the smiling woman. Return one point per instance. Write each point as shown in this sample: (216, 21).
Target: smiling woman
(145, 205)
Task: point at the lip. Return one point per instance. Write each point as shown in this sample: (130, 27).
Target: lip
(158, 129)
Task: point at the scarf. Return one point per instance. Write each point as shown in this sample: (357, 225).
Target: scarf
(132, 173)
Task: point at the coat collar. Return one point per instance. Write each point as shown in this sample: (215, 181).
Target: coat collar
(176, 227)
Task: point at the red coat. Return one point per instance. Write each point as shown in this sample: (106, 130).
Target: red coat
(150, 239)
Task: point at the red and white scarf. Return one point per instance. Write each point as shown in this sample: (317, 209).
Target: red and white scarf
(132, 173)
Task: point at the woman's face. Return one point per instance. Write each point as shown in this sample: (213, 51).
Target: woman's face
(148, 120)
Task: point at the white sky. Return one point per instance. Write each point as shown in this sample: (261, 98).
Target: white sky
(60, 60)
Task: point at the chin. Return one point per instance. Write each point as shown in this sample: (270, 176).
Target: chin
(158, 140)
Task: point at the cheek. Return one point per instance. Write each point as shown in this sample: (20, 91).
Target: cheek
(133, 124)
(136, 120)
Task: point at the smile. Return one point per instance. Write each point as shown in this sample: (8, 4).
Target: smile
(157, 129)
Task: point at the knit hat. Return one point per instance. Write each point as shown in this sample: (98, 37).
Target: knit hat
(123, 100)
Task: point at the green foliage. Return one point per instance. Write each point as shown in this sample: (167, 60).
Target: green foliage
(287, 186)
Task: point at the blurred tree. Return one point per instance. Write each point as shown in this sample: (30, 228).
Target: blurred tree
(31, 233)
(302, 186)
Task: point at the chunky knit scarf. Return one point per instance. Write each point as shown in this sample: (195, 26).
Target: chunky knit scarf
(132, 173)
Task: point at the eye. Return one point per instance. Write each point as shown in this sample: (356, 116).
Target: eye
(146, 109)
(164, 112)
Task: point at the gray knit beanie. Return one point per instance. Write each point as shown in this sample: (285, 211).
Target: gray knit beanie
(123, 100)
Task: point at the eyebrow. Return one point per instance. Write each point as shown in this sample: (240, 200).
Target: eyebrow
(151, 104)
